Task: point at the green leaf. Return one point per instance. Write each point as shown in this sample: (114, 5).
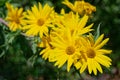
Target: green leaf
(97, 33)
(31, 60)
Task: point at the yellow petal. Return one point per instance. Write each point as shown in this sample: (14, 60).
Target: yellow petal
(99, 40)
(20, 11)
(94, 67)
(85, 30)
(102, 44)
(103, 51)
(69, 63)
(70, 5)
(89, 66)
(77, 65)
(105, 57)
(102, 62)
(83, 22)
(98, 67)
(84, 66)
(62, 61)
(40, 7)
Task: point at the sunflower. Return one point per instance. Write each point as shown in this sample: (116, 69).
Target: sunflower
(65, 49)
(15, 17)
(92, 54)
(38, 20)
(70, 27)
(76, 25)
(81, 7)
(47, 47)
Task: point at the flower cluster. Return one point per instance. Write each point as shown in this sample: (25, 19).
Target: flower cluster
(66, 38)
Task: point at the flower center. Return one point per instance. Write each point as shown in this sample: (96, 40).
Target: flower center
(17, 21)
(91, 53)
(70, 50)
(40, 22)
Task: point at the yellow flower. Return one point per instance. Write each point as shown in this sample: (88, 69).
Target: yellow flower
(76, 25)
(47, 47)
(66, 38)
(60, 19)
(15, 17)
(81, 7)
(65, 49)
(38, 20)
(93, 56)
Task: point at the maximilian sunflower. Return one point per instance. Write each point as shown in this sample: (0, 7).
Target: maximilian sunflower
(76, 25)
(65, 49)
(81, 7)
(15, 17)
(38, 20)
(93, 55)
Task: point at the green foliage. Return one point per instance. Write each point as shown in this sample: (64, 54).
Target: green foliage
(2, 2)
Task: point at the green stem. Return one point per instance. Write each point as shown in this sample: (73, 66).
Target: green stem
(3, 22)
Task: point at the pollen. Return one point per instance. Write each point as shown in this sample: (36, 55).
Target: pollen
(91, 53)
(70, 50)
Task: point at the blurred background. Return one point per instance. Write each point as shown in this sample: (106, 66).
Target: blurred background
(19, 56)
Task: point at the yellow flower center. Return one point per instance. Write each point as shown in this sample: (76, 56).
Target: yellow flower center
(40, 22)
(17, 20)
(70, 50)
(91, 53)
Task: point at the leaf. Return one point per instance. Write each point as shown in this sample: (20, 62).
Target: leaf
(31, 60)
(97, 33)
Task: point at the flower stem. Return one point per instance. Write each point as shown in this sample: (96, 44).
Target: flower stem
(3, 22)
